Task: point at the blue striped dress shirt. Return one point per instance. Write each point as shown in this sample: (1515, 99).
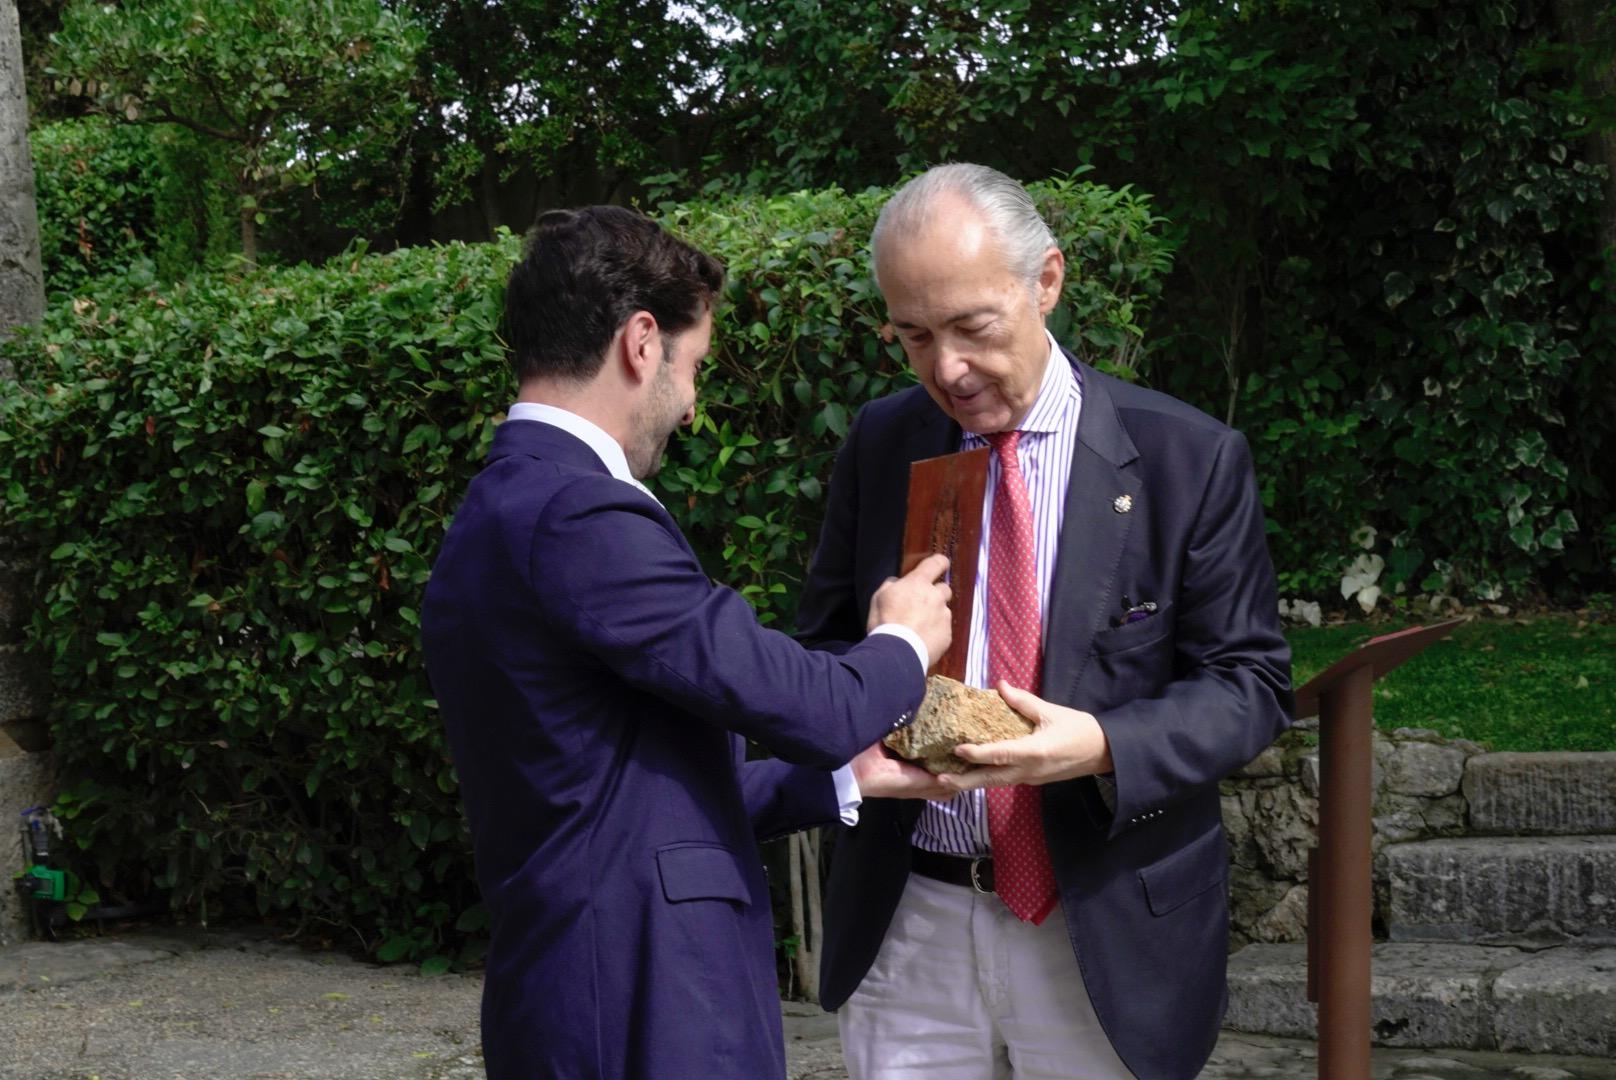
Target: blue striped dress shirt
(959, 826)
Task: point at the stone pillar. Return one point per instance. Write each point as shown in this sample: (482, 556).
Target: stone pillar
(22, 287)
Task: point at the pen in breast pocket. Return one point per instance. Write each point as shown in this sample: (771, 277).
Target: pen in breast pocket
(1132, 612)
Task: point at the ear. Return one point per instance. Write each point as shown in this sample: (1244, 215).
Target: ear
(639, 347)
(1050, 279)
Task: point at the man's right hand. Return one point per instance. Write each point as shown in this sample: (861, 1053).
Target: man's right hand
(882, 775)
(918, 600)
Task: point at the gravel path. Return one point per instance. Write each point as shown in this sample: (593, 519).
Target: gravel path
(182, 1005)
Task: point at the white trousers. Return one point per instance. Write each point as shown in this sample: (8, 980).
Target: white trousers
(963, 990)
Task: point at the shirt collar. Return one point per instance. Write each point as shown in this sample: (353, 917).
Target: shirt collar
(605, 447)
(1058, 385)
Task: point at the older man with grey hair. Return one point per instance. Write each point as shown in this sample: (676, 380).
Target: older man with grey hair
(1062, 910)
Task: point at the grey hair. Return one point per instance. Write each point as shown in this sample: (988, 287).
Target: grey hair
(1004, 204)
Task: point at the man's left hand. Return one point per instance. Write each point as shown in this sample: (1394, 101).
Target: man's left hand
(1066, 744)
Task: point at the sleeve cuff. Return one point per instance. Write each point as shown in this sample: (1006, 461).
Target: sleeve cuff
(902, 631)
(848, 795)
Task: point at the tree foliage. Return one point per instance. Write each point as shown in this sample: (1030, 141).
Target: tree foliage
(857, 92)
(289, 86)
(1389, 267)
(1391, 218)
(138, 201)
(585, 95)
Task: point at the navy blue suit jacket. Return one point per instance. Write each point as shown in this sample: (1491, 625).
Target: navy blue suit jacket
(594, 684)
(1185, 697)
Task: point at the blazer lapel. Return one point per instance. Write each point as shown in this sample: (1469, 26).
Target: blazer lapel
(931, 434)
(1093, 535)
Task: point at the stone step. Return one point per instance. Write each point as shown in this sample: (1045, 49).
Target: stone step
(1559, 1000)
(1502, 890)
(1542, 794)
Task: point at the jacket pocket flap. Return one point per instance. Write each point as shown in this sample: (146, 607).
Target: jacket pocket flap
(701, 872)
(1186, 873)
(1140, 632)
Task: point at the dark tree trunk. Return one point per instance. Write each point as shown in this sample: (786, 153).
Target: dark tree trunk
(249, 235)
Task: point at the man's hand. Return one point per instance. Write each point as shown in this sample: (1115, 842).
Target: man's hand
(918, 600)
(881, 775)
(1067, 743)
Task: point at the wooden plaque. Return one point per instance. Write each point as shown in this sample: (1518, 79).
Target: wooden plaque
(945, 515)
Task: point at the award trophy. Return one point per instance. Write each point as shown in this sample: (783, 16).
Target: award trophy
(945, 515)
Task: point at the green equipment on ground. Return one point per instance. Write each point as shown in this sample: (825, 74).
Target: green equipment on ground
(42, 885)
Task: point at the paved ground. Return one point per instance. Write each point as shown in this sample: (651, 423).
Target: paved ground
(180, 1005)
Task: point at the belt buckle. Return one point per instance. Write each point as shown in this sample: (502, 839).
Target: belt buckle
(976, 881)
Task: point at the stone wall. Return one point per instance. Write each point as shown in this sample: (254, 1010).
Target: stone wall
(1271, 813)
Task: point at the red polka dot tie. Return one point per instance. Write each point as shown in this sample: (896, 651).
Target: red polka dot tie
(1022, 874)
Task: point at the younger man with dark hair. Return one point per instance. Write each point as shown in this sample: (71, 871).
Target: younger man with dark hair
(595, 684)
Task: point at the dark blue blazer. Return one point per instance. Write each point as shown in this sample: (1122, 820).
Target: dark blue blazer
(1186, 697)
(594, 684)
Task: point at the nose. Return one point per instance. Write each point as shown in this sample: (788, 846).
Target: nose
(950, 367)
(689, 417)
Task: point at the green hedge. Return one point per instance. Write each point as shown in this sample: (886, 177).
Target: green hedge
(96, 183)
(128, 200)
(234, 487)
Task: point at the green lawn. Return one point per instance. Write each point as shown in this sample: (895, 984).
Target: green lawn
(1543, 683)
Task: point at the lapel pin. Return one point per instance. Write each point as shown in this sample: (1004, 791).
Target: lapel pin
(1122, 503)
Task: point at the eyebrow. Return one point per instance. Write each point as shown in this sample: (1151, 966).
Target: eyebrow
(974, 313)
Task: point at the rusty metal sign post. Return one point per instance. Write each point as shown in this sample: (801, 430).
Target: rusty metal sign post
(1340, 900)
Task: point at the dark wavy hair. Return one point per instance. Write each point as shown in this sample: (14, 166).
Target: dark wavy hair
(583, 273)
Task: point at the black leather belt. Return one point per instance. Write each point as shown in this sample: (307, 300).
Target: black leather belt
(973, 873)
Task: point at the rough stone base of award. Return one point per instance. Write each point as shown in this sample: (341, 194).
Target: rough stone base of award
(951, 714)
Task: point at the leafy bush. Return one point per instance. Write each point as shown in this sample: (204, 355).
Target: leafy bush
(233, 490)
(115, 197)
(96, 183)
(281, 88)
(234, 487)
(194, 216)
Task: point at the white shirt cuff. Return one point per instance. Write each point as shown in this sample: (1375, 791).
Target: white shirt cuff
(900, 630)
(847, 794)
